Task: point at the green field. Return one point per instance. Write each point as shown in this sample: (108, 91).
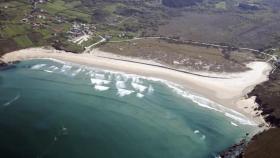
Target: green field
(23, 41)
(220, 5)
(13, 30)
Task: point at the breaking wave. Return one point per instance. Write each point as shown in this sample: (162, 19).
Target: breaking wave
(101, 88)
(139, 95)
(99, 81)
(123, 92)
(38, 66)
(138, 87)
(127, 84)
(12, 100)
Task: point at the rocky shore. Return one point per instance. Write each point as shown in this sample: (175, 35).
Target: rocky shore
(265, 144)
(5, 65)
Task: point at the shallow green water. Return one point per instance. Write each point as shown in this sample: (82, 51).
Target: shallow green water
(67, 111)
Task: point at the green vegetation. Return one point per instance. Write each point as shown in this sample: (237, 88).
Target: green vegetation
(73, 15)
(55, 7)
(23, 41)
(124, 19)
(62, 44)
(221, 5)
(111, 8)
(90, 41)
(27, 24)
(13, 30)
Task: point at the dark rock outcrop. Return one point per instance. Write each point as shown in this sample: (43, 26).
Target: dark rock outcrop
(268, 98)
(180, 3)
(248, 6)
(264, 145)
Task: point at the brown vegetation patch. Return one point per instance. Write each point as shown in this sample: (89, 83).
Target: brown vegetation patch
(255, 30)
(7, 45)
(264, 145)
(182, 55)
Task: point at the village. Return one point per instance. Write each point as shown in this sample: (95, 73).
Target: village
(57, 25)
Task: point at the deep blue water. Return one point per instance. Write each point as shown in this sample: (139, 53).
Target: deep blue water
(58, 110)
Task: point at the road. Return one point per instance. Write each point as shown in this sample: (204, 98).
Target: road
(88, 49)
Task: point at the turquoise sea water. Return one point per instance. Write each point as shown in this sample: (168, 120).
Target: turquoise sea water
(60, 110)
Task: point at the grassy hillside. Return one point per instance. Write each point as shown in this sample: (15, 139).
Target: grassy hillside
(26, 24)
(231, 22)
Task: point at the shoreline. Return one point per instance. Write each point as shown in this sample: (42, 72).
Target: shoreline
(228, 92)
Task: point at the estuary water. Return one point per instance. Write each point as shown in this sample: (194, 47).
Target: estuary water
(51, 109)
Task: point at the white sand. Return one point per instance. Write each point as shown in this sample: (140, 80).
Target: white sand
(227, 92)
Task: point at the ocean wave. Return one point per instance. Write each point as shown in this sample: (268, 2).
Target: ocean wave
(76, 72)
(122, 77)
(38, 66)
(206, 103)
(53, 68)
(240, 120)
(100, 76)
(99, 81)
(120, 84)
(139, 95)
(55, 60)
(49, 71)
(12, 100)
(123, 92)
(137, 80)
(234, 124)
(138, 87)
(150, 89)
(101, 88)
(201, 101)
(203, 137)
(196, 132)
(65, 68)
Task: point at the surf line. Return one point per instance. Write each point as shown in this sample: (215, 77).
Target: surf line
(12, 100)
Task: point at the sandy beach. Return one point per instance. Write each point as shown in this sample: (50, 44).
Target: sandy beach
(229, 91)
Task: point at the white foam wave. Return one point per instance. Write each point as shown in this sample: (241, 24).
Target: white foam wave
(12, 100)
(49, 71)
(100, 76)
(138, 87)
(76, 72)
(203, 137)
(53, 68)
(139, 95)
(120, 84)
(65, 68)
(55, 60)
(201, 101)
(123, 92)
(240, 120)
(196, 131)
(150, 89)
(99, 81)
(206, 103)
(118, 77)
(137, 80)
(101, 88)
(234, 124)
(38, 66)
